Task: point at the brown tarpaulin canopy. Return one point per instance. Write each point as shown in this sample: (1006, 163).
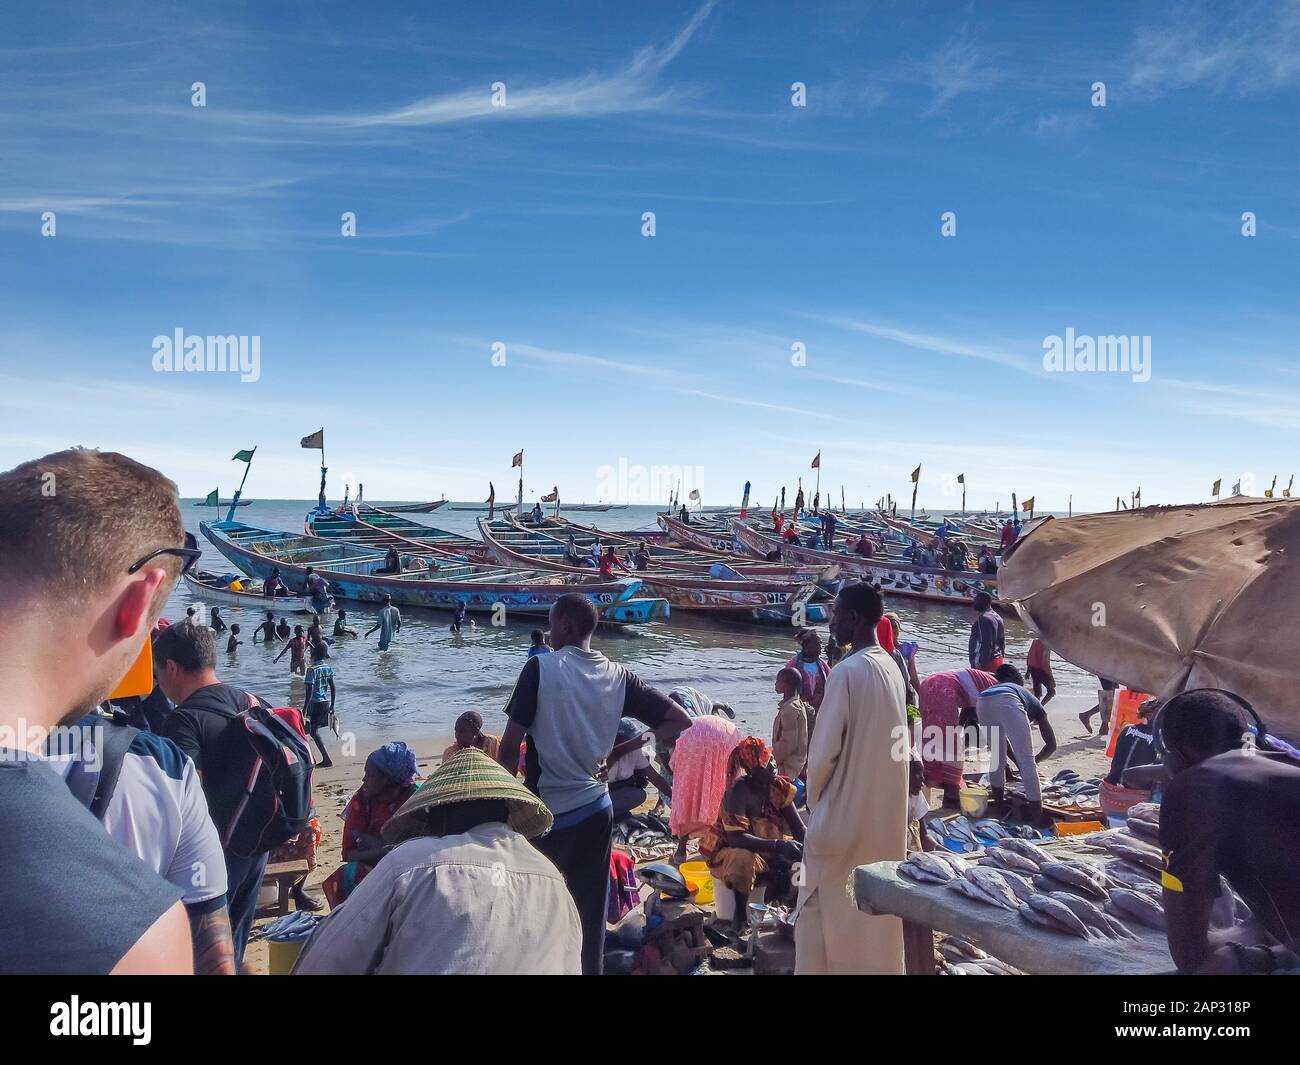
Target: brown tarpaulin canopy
(1167, 598)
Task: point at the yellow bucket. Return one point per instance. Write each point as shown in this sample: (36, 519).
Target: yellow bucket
(696, 875)
(283, 954)
(974, 800)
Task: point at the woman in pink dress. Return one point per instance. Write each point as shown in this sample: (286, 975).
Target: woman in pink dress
(699, 765)
(943, 697)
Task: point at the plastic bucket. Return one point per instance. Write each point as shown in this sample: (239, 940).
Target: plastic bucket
(974, 800)
(1115, 799)
(699, 880)
(283, 953)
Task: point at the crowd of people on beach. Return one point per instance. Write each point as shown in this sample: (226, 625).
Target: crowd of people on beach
(138, 827)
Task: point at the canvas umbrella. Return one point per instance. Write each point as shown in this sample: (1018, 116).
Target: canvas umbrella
(1163, 599)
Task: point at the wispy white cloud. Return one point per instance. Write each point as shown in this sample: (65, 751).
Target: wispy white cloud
(1245, 49)
(925, 342)
(631, 88)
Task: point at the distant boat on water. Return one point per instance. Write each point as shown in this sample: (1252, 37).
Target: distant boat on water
(222, 503)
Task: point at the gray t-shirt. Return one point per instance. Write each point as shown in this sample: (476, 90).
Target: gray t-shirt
(72, 899)
(571, 702)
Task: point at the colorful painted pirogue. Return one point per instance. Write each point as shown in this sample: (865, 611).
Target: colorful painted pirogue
(723, 593)
(894, 578)
(381, 529)
(353, 573)
(674, 557)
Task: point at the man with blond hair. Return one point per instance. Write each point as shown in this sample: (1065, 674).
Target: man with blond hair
(91, 544)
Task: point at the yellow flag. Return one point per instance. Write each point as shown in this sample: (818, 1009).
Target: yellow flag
(1268, 493)
(1028, 504)
(916, 475)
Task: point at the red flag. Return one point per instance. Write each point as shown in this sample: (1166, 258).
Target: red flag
(317, 439)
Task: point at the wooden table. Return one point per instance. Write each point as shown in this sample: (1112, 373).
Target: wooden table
(879, 889)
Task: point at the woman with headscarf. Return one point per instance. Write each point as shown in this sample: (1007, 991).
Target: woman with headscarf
(747, 843)
(813, 668)
(944, 698)
(462, 891)
(389, 780)
(470, 734)
(700, 776)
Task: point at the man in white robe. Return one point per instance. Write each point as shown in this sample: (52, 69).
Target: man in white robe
(857, 798)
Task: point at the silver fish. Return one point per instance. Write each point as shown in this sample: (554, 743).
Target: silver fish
(1013, 860)
(1093, 916)
(1147, 811)
(1146, 831)
(1061, 916)
(1020, 885)
(927, 868)
(990, 829)
(955, 862)
(964, 948)
(959, 828)
(1139, 907)
(1133, 877)
(965, 968)
(1024, 848)
(1079, 877)
(1137, 852)
(993, 884)
(972, 890)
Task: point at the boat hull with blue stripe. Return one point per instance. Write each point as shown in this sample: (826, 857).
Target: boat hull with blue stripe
(354, 573)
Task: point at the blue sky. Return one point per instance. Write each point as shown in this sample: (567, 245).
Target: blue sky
(775, 225)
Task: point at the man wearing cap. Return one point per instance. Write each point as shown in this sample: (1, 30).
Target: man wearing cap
(463, 891)
(569, 704)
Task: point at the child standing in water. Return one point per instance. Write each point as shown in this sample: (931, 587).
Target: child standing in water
(319, 699)
(232, 643)
(297, 648)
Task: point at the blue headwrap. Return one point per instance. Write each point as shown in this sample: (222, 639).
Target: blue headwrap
(395, 760)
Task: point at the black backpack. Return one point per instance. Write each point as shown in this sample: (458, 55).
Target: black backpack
(276, 804)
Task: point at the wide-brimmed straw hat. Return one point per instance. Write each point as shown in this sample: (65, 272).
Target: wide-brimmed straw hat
(468, 775)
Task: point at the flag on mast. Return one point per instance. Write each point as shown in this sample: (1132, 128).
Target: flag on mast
(816, 462)
(1269, 493)
(518, 460)
(316, 439)
(243, 456)
(211, 500)
(1215, 490)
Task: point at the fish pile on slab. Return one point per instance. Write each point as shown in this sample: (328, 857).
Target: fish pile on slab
(1074, 876)
(1138, 906)
(1068, 787)
(954, 956)
(971, 835)
(1144, 821)
(988, 886)
(1132, 850)
(933, 867)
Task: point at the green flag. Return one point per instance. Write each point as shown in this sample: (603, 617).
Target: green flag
(243, 456)
(211, 501)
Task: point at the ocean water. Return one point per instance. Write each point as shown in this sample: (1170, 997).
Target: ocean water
(418, 688)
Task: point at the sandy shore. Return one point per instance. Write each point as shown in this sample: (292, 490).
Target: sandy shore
(1076, 750)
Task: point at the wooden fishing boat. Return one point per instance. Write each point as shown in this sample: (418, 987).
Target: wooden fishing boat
(352, 572)
(410, 508)
(381, 529)
(667, 556)
(212, 588)
(895, 578)
(726, 593)
(224, 503)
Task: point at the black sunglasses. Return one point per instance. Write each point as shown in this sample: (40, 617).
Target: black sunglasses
(190, 554)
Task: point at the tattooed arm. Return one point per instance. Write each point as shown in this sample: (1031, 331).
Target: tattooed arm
(214, 949)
